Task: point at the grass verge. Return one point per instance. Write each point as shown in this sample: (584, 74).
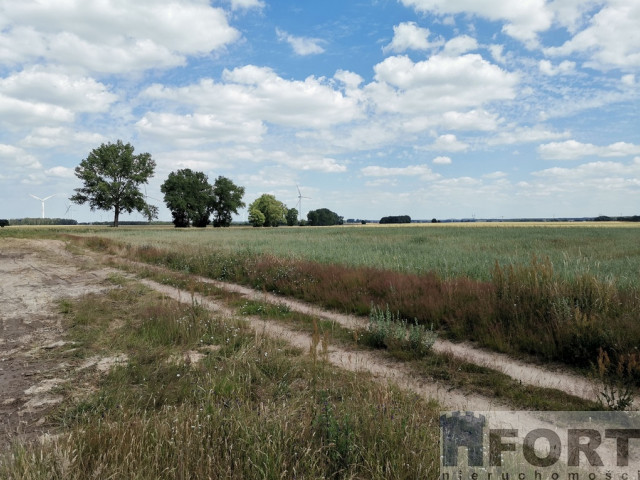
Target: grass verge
(244, 407)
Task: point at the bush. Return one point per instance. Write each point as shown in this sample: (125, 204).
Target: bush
(386, 330)
(4, 223)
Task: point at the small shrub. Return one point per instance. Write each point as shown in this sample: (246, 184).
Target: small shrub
(386, 330)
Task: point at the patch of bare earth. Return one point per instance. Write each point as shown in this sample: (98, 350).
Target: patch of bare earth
(34, 275)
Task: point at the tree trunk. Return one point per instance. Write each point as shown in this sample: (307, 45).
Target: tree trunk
(116, 215)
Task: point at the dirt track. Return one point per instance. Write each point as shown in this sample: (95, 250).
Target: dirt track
(35, 274)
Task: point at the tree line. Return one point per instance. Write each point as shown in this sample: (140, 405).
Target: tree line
(112, 178)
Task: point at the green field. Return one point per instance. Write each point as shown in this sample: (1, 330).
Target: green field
(561, 292)
(610, 252)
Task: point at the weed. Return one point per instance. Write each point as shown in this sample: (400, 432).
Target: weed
(388, 330)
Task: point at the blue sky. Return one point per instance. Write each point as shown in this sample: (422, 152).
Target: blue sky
(427, 108)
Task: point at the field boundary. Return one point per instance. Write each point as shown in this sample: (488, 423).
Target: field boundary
(534, 375)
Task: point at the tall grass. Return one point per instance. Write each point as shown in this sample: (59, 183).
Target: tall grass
(446, 250)
(526, 308)
(252, 408)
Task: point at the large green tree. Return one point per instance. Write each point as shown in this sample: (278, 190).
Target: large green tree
(324, 217)
(267, 211)
(112, 176)
(190, 198)
(227, 200)
(292, 217)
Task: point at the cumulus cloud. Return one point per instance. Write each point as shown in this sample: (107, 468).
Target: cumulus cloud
(409, 36)
(198, 129)
(112, 36)
(441, 83)
(629, 80)
(60, 172)
(423, 172)
(442, 161)
(564, 68)
(12, 157)
(524, 20)
(257, 94)
(301, 45)
(611, 39)
(75, 93)
(449, 143)
(459, 45)
(50, 137)
(572, 150)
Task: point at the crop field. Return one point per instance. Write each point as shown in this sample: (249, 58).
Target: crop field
(205, 394)
(608, 251)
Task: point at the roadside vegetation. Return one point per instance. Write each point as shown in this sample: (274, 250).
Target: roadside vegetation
(201, 396)
(557, 293)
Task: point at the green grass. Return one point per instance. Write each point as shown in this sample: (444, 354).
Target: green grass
(251, 408)
(609, 251)
(558, 292)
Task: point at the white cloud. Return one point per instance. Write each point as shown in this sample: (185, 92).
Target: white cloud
(12, 157)
(246, 4)
(423, 172)
(301, 45)
(198, 129)
(112, 36)
(524, 19)
(476, 119)
(497, 52)
(449, 143)
(60, 172)
(50, 137)
(611, 38)
(440, 83)
(442, 161)
(74, 93)
(409, 36)
(594, 178)
(459, 45)
(253, 94)
(564, 68)
(14, 112)
(629, 80)
(571, 150)
(572, 13)
(538, 133)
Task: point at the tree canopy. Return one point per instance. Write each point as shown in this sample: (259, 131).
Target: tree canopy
(112, 176)
(292, 217)
(324, 217)
(190, 198)
(396, 219)
(267, 211)
(227, 200)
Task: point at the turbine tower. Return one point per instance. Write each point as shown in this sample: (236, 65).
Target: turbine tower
(299, 205)
(43, 200)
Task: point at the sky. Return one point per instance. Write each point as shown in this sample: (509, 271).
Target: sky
(428, 108)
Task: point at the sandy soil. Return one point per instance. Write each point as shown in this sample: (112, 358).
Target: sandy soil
(35, 274)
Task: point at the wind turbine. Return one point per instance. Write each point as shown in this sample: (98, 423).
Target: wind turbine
(299, 205)
(43, 200)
